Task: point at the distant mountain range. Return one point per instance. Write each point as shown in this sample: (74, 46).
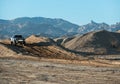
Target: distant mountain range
(93, 26)
(48, 27)
(38, 26)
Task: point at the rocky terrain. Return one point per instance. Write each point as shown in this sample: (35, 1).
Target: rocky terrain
(94, 26)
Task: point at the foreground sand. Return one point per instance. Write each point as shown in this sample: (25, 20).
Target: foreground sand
(55, 71)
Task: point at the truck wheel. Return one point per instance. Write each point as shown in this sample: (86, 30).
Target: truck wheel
(15, 43)
(24, 43)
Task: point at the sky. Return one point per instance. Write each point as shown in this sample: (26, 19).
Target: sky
(76, 11)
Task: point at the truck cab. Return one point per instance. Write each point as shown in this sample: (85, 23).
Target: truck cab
(17, 39)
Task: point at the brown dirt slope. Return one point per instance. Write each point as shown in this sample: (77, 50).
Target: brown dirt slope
(36, 46)
(94, 40)
(4, 51)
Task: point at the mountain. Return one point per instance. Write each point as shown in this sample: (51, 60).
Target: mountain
(49, 27)
(97, 40)
(115, 27)
(93, 26)
(38, 26)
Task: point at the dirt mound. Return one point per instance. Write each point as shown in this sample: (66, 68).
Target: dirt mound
(45, 47)
(41, 41)
(36, 39)
(5, 51)
(94, 40)
(37, 47)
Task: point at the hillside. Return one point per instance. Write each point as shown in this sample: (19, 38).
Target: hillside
(37, 47)
(91, 42)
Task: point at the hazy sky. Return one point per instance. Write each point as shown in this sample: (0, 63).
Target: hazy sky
(76, 11)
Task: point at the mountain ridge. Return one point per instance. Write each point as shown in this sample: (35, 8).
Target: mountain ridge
(36, 25)
(49, 27)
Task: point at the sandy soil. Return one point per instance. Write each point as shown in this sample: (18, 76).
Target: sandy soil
(47, 72)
